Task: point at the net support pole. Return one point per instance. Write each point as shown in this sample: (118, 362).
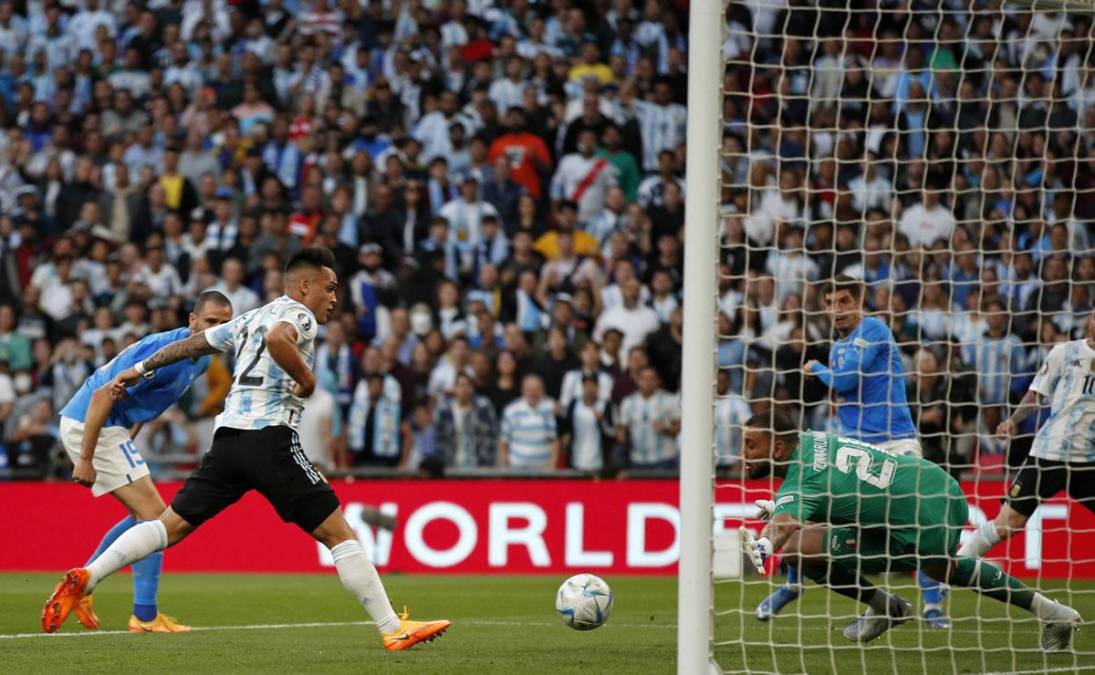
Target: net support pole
(694, 591)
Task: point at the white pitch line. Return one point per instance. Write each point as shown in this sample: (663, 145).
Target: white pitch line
(315, 624)
(1073, 669)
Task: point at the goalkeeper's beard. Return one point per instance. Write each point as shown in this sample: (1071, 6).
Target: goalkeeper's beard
(758, 469)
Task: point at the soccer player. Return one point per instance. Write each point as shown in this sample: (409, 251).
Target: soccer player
(96, 433)
(255, 447)
(866, 374)
(1062, 456)
(848, 508)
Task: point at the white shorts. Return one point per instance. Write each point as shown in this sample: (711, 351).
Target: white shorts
(117, 462)
(902, 446)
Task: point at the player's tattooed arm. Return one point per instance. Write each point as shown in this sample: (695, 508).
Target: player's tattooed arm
(1027, 407)
(192, 347)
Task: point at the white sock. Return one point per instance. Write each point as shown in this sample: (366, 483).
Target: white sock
(984, 538)
(360, 578)
(139, 541)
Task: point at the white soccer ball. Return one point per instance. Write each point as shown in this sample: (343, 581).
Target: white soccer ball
(584, 601)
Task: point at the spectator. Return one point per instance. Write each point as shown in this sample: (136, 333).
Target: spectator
(588, 428)
(731, 413)
(998, 358)
(373, 430)
(455, 361)
(633, 320)
(927, 221)
(555, 363)
(320, 427)
(231, 285)
(584, 178)
(650, 420)
(372, 291)
(529, 438)
(467, 427)
(13, 345)
(526, 152)
(590, 366)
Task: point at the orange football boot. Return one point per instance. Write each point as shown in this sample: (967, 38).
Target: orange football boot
(67, 593)
(85, 613)
(161, 624)
(411, 633)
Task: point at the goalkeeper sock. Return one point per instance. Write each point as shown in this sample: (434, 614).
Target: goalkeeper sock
(146, 583)
(794, 581)
(989, 580)
(360, 578)
(931, 590)
(139, 541)
(984, 538)
(111, 535)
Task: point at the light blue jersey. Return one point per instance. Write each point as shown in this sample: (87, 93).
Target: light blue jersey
(1067, 378)
(262, 393)
(868, 378)
(147, 399)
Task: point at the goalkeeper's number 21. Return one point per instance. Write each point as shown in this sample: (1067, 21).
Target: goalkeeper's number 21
(848, 456)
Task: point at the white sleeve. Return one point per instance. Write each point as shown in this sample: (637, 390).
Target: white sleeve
(223, 337)
(298, 316)
(1050, 372)
(7, 390)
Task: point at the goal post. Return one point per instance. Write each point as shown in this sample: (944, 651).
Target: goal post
(941, 154)
(695, 589)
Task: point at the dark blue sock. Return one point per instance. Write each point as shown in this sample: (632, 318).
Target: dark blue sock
(111, 534)
(793, 578)
(146, 582)
(930, 589)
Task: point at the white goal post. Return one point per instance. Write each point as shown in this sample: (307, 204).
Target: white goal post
(695, 622)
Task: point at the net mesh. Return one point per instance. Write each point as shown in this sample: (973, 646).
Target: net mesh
(942, 153)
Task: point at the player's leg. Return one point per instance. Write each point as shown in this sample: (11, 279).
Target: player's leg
(781, 597)
(831, 556)
(989, 580)
(301, 495)
(932, 592)
(213, 486)
(1036, 481)
(144, 501)
(359, 577)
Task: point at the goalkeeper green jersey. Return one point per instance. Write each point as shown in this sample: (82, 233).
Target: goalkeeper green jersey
(837, 480)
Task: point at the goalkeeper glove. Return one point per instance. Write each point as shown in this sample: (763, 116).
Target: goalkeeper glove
(766, 506)
(758, 550)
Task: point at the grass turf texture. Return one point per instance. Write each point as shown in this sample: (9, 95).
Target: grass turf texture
(502, 624)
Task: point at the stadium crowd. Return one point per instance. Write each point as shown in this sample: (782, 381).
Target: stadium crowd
(502, 184)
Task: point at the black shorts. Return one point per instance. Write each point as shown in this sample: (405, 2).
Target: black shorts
(1040, 479)
(269, 460)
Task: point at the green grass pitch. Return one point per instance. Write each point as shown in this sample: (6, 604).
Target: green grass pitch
(502, 624)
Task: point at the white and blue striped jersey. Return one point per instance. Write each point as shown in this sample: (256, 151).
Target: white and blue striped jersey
(529, 431)
(1067, 378)
(999, 362)
(639, 414)
(661, 127)
(262, 393)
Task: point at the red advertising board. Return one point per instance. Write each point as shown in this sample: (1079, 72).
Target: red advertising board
(518, 526)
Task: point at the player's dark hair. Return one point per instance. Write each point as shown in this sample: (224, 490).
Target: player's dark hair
(843, 282)
(778, 423)
(315, 257)
(216, 297)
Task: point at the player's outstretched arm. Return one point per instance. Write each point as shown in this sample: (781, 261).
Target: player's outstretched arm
(281, 342)
(191, 348)
(98, 409)
(1027, 407)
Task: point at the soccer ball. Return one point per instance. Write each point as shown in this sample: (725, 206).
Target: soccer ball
(584, 601)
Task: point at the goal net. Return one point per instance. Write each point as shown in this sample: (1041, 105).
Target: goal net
(943, 154)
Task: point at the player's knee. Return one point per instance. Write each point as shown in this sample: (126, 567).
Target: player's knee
(1009, 522)
(176, 527)
(334, 530)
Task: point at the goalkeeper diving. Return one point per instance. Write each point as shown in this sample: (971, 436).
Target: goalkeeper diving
(847, 508)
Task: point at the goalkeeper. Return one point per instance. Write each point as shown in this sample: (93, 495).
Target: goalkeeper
(871, 512)
(866, 375)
